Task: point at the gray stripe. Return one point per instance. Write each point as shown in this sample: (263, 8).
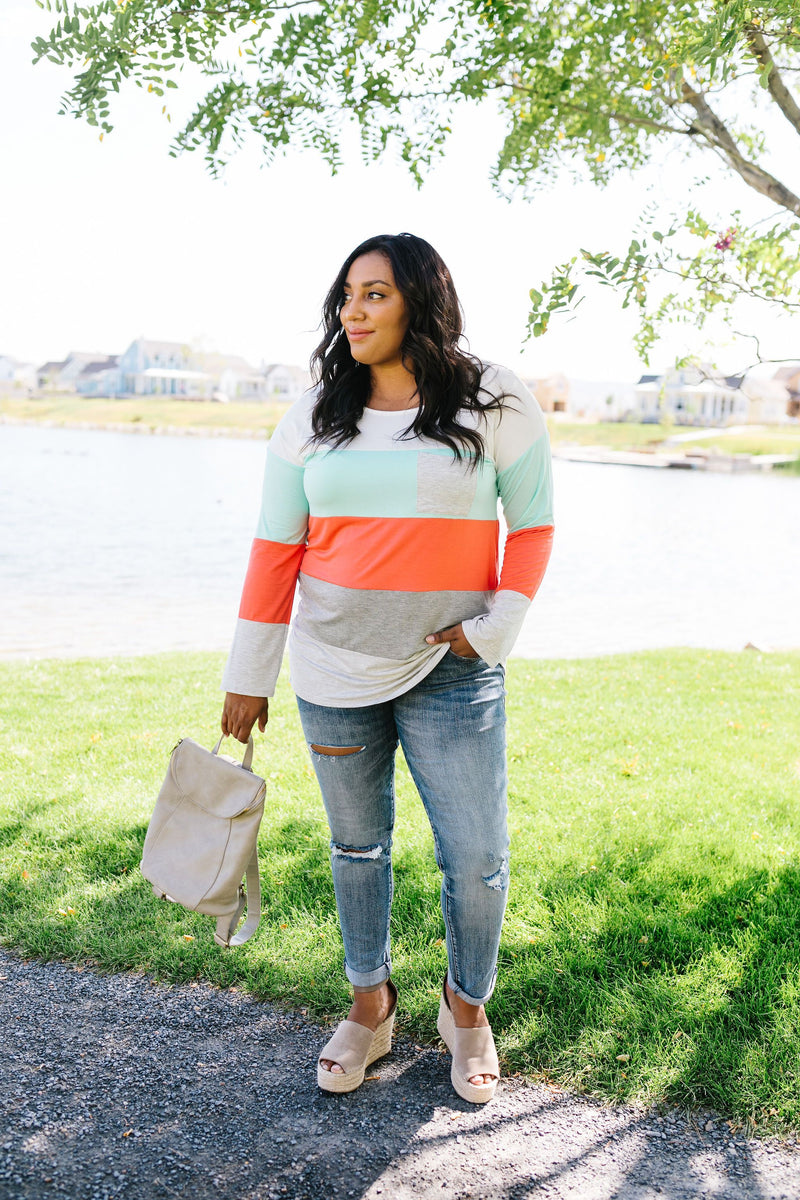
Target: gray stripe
(255, 658)
(493, 635)
(388, 625)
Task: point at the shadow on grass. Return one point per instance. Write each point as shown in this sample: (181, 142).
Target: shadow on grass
(639, 984)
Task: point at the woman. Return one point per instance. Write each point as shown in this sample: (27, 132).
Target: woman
(380, 496)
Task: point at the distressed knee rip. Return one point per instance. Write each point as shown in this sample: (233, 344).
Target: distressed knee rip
(499, 881)
(356, 853)
(335, 751)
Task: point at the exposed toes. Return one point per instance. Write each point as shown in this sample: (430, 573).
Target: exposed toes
(333, 1067)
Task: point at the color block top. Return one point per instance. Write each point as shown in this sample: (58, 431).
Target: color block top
(391, 539)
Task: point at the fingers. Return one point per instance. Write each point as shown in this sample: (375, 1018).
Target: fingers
(240, 713)
(444, 635)
(454, 636)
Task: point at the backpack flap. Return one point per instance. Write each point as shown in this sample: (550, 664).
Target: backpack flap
(216, 785)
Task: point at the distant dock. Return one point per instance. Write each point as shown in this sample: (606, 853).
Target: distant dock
(689, 460)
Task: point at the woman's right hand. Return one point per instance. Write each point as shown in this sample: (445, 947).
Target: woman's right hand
(240, 713)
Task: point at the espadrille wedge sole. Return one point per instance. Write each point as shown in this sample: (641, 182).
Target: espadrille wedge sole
(473, 1053)
(354, 1048)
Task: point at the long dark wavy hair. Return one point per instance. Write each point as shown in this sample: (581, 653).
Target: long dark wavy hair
(448, 378)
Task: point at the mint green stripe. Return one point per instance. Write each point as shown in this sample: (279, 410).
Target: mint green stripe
(484, 505)
(284, 508)
(526, 488)
(385, 483)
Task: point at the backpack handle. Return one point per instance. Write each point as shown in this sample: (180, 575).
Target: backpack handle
(247, 761)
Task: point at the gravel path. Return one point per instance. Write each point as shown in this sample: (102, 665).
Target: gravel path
(112, 1086)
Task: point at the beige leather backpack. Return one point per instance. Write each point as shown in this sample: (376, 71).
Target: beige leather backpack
(202, 837)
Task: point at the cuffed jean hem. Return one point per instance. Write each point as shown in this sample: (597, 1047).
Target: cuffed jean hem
(369, 979)
(459, 991)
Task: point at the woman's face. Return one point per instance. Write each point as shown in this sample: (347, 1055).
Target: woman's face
(374, 313)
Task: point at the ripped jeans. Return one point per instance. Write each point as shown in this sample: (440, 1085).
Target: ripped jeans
(451, 727)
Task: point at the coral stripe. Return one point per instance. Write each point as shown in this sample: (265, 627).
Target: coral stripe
(270, 581)
(403, 554)
(525, 559)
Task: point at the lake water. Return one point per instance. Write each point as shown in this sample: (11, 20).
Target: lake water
(114, 543)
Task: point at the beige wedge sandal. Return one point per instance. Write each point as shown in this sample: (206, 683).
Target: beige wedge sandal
(473, 1053)
(354, 1047)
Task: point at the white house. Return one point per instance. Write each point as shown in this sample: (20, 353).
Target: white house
(768, 400)
(151, 368)
(16, 375)
(691, 396)
(285, 383)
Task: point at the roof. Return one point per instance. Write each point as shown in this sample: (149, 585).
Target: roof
(94, 368)
(52, 366)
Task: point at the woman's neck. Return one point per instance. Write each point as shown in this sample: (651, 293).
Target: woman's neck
(392, 389)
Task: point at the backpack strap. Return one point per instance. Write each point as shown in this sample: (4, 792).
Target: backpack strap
(251, 899)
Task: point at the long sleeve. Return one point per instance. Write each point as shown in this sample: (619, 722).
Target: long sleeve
(521, 453)
(275, 559)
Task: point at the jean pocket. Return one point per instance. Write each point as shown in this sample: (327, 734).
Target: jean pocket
(465, 657)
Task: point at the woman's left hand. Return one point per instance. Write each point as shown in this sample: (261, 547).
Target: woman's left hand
(455, 636)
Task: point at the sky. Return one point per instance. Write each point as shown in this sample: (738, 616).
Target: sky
(104, 242)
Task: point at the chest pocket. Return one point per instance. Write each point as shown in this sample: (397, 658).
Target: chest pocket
(445, 487)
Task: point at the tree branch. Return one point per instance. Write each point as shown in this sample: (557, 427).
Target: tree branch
(775, 85)
(686, 276)
(618, 117)
(720, 138)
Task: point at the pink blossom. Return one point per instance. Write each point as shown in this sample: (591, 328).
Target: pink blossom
(726, 239)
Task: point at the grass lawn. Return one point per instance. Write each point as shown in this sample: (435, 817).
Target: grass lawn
(151, 412)
(652, 945)
(779, 440)
(615, 435)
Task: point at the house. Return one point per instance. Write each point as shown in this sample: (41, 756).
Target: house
(768, 400)
(552, 392)
(789, 376)
(101, 378)
(152, 368)
(234, 377)
(48, 374)
(157, 368)
(284, 383)
(691, 396)
(15, 375)
(272, 382)
(75, 364)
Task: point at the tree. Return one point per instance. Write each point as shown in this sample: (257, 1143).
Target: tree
(586, 88)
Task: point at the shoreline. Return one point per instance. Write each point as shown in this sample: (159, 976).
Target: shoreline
(657, 457)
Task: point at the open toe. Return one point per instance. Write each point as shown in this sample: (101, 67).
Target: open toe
(354, 1047)
(473, 1052)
